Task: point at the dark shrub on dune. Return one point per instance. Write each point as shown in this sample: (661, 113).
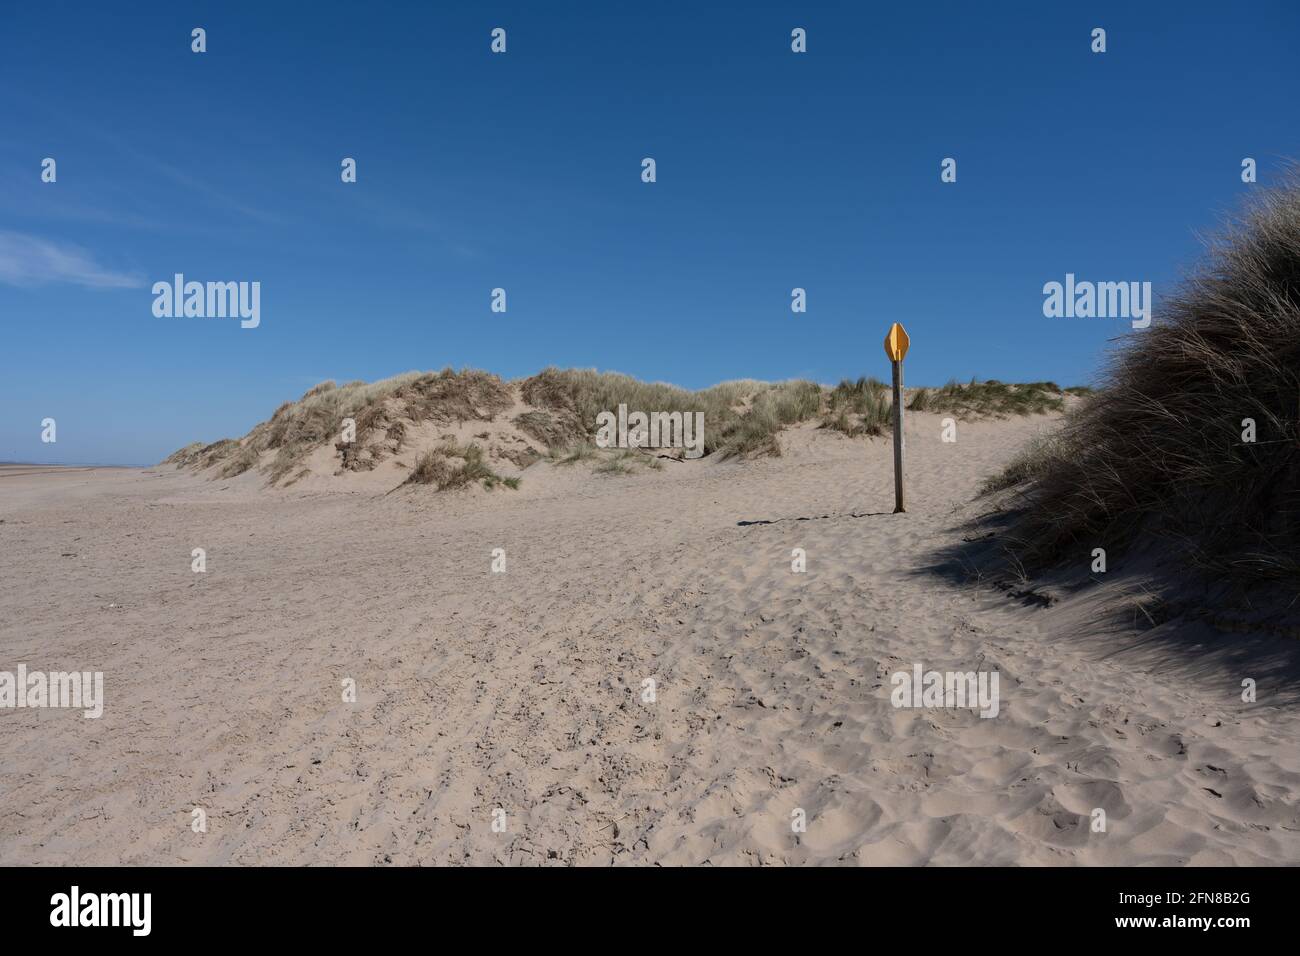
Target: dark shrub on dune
(990, 399)
(1157, 457)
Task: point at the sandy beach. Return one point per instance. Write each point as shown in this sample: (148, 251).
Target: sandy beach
(524, 691)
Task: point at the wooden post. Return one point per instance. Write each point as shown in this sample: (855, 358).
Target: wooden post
(896, 346)
(898, 437)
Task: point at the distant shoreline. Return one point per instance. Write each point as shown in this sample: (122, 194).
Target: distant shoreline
(47, 464)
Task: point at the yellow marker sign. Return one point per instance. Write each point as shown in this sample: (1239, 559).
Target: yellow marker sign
(896, 343)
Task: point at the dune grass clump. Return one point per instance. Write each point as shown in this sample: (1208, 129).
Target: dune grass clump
(792, 402)
(624, 461)
(1032, 462)
(752, 433)
(184, 457)
(551, 430)
(989, 399)
(576, 396)
(752, 436)
(446, 396)
(241, 461)
(449, 466)
(1160, 452)
(741, 418)
(219, 450)
(616, 461)
(861, 407)
(298, 427)
(572, 454)
(381, 410)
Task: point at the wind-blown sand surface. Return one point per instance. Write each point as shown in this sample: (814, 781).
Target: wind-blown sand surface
(522, 690)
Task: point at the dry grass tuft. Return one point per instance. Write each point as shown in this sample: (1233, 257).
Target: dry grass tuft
(185, 457)
(553, 431)
(989, 399)
(450, 466)
(859, 408)
(741, 418)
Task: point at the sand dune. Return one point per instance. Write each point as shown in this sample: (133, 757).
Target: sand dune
(522, 691)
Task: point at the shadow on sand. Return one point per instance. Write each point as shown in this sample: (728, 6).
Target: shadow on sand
(1147, 612)
(855, 514)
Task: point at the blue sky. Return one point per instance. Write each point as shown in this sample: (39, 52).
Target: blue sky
(522, 171)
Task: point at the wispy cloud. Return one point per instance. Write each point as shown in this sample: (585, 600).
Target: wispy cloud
(72, 120)
(29, 260)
